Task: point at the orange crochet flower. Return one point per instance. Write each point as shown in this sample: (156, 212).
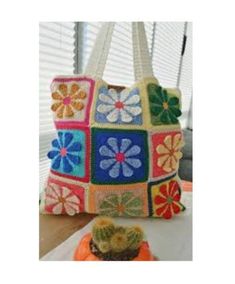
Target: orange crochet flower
(169, 152)
(168, 200)
(67, 100)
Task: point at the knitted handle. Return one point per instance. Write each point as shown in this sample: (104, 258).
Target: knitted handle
(97, 61)
(141, 58)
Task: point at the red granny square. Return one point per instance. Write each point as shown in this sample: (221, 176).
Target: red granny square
(166, 153)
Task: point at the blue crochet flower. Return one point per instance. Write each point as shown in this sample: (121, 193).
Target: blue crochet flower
(65, 151)
(120, 159)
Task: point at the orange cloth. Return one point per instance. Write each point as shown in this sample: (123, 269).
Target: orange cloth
(187, 186)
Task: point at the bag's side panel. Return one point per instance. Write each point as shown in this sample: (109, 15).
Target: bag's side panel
(165, 140)
(66, 187)
(164, 198)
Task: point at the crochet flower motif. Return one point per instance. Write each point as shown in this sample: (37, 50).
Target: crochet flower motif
(169, 152)
(61, 200)
(123, 106)
(126, 204)
(68, 100)
(65, 152)
(163, 106)
(167, 200)
(120, 159)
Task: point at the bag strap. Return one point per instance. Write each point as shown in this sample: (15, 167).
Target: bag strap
(97, 61)
(141, 58)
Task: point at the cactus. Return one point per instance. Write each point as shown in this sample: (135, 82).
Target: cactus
(120, 229)
(116, 239)
(118, 242)
(102, 230)
(104, 247)
(135, 237)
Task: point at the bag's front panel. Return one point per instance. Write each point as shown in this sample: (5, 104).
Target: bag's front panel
(119, 154)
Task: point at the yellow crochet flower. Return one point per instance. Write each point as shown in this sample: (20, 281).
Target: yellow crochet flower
(67, 100)
(169, 152)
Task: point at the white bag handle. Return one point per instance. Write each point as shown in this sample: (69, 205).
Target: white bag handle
(141, 58)
(142, 61)
(97, 60)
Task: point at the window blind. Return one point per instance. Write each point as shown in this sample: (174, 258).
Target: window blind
(167, 44)
(185, 79)
(56, 45)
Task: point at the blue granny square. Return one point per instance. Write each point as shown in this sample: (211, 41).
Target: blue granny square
(68, 153)
(119, 156)
(118, 107)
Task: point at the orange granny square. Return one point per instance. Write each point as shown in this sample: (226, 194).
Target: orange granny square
(119, 200)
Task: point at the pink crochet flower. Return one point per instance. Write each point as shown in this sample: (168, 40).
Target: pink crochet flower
(61, 200)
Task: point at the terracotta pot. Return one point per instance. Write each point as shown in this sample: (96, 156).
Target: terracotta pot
(84, 253)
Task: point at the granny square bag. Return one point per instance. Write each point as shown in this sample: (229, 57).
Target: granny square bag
(117, 149)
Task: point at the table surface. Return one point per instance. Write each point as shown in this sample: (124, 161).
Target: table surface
(56, 229)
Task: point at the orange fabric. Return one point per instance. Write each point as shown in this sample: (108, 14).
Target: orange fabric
(187, 186)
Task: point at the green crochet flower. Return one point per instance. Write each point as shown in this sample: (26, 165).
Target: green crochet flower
(125, 204)
(164, 107)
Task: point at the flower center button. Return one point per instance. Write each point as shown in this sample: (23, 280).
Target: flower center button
(63, 152)
(67, 101)
(119, 105)
(120, 157)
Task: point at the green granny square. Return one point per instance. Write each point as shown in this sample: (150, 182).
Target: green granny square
(164, 107)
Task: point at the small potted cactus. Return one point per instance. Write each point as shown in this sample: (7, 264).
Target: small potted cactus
(110, 242)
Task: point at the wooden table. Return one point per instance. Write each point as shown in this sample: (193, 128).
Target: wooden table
(56, 229)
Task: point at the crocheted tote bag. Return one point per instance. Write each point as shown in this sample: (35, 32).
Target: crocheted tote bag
(117, 149)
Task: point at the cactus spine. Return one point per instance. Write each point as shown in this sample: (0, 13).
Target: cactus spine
(102, 230)
(118, 242)
(120, 229)
(135, 237)
(104, 247)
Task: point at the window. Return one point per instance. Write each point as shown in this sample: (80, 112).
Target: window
(56, 52)
(65, 48)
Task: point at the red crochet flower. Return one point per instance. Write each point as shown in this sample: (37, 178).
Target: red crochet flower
(168, 200)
